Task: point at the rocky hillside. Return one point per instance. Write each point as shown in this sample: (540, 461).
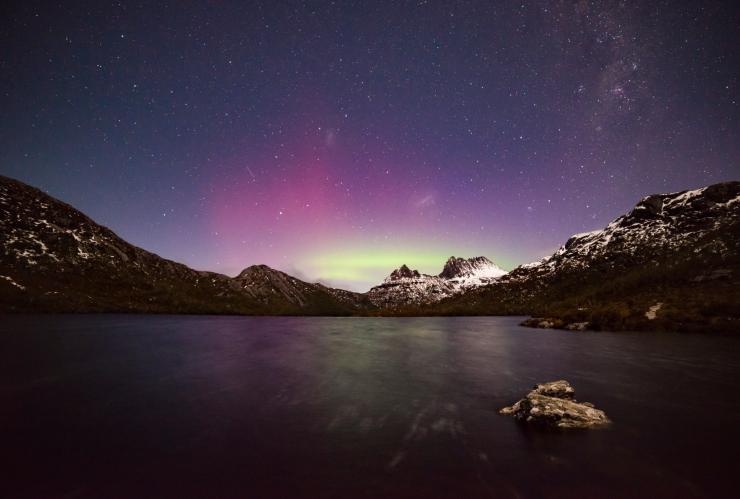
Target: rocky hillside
(659, 227)
(671, 262)
(277, 290)
(405, 287)
(466, 273)
(54, 258)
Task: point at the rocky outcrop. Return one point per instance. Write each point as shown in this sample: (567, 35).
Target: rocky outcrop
(407, 287)
(543, 323)
(553, 405)
(555, 323)
(479, 266)
(403, 272)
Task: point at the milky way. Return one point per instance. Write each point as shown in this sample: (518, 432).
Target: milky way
(338, 140)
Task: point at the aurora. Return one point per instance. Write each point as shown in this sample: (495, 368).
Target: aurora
(337, 141)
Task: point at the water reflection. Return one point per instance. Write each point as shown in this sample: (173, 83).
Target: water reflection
(108, 405)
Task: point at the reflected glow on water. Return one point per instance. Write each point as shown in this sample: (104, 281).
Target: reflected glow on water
(114, 405)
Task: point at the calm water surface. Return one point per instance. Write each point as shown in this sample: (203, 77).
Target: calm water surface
(153, 406)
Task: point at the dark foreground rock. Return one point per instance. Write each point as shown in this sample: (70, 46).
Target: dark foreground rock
(553, 405)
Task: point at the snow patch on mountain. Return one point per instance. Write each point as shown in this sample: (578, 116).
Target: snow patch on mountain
(467, 273)
(405, 286)
(657, 225)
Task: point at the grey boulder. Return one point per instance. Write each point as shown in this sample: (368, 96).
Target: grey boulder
(553, 405)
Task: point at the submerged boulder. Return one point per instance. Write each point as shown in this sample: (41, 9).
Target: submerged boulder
(553, 405)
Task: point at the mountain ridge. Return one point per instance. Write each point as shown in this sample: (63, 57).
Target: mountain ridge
(404, 286)
(55, 258)
(669, 263)
(670, 250)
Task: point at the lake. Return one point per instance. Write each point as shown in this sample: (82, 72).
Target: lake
(195, 406)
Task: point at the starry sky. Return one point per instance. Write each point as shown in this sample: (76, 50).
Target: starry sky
(338, 140)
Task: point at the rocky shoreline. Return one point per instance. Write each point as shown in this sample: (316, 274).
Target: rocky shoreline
(554, 323)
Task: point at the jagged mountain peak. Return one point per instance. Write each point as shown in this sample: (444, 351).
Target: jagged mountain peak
(405, 286)
(464, 267)
(403, 272)
(705, 199)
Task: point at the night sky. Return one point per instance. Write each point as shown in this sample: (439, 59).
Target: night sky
(338, 140)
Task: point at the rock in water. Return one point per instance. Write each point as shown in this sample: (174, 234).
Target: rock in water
(553, 404)
(559, 389)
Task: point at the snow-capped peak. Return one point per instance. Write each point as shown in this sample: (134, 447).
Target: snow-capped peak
(407, 286)
(478, 266)
(403, 272)
(658, 223)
